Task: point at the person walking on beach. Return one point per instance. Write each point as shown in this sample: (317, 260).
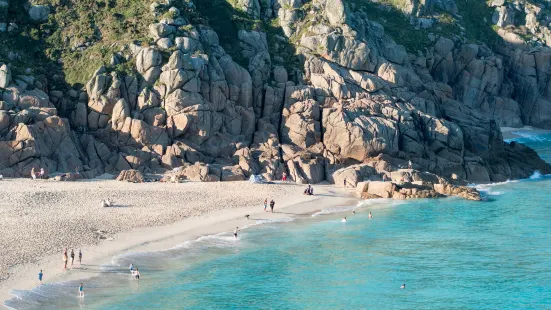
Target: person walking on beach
(344, 182)
(42, 173)
(137, 274)
(65, 258)
(33, 173)
(81, 290)
(79, 257)
(131, 267)
(72, 257)
(40, 275)
(272, 204)
(265, 204)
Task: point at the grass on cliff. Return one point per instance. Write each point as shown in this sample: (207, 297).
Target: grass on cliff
(105, 25)
(474, 15)
(397, 24)
(226, 20)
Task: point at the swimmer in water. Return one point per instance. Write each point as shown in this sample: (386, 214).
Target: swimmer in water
(81, 290)
(235, 232)
(344, 220)
(137, 274)
(403, 286)
(354, 212)
(370, 215)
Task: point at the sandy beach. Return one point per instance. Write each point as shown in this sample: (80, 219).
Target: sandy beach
(40, 218)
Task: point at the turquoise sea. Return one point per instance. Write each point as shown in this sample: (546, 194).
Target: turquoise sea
(450, 253)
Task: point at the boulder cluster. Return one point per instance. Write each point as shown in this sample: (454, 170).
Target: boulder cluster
(410, 184)
(360, 108)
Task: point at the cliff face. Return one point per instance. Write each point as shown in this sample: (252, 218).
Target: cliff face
(354, 97)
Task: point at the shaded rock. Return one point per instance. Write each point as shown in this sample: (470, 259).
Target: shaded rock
(232, 173)
(39, 13)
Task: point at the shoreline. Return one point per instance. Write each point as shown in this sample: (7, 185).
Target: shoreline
(509, 133)
(158, 238)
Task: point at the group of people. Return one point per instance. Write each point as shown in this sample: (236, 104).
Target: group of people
(354, 213)
(40, 175)
(309, 190)
(272, 205)
(66, 258)
(135, 272)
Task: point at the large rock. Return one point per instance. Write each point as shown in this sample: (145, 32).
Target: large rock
(353, 134)
(381, 189)
(468, 193)
(201, 173)
(5, 76)
(133, 176)
(160, 30)
(39, 13)
(147, 59)
(232, 173)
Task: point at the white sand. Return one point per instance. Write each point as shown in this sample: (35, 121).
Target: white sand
(38, 219)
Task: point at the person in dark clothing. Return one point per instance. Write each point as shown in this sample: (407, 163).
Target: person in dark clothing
(72, 257)
(272, 204)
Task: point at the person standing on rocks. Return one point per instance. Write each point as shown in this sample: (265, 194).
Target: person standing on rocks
(410, 165)
(72, 257)
(272, 204)
(65, 258)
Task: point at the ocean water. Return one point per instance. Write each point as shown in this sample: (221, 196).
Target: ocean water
(450, 253)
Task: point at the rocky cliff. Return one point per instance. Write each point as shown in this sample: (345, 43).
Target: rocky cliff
(314, 89)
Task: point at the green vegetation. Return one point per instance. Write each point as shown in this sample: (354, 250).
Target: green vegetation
(226, 20)
(82, 35)
(474, 15)
(397, 24)
(104, 25)
(477, 20)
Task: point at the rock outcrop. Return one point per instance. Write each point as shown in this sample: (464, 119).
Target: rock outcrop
(133, 176)
(358, 108)
(412, 184)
